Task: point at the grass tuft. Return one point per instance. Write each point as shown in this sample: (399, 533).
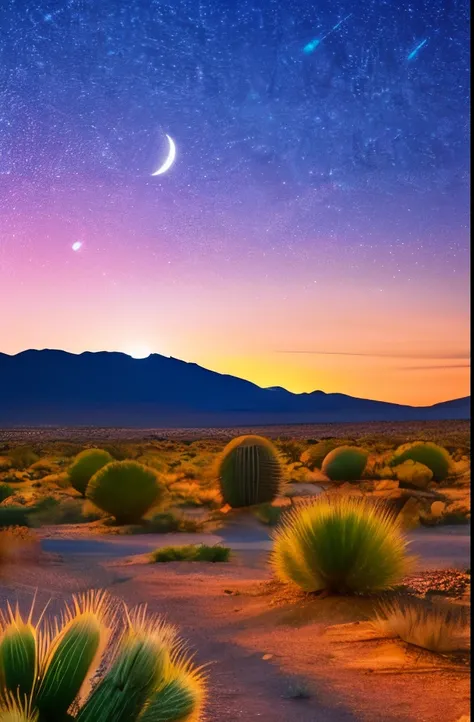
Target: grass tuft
(191, 553)
(436, 627)
(340, 544)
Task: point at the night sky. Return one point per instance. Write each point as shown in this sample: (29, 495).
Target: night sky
(312, 231)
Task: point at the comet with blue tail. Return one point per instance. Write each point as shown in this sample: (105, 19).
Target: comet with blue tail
(313, 44)
(415, 51)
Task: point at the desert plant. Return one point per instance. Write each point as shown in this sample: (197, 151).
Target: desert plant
(125, 489)
(342, 544)
(191, 553)
(290, 449)
(22, 457)
(437, 627)
(413, 473)
(85, 465)
(249, 471)
(345, 463)
(6, 491)
(149, 676)
(431, 455)
(314, 456)
(67, 511)
(15, 516)
(268, 514)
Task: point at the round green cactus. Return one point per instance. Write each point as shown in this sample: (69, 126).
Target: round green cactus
(125, 489)
(249, 472)
(43, 669)
(346, 463)
(85, 465)
(431, 455)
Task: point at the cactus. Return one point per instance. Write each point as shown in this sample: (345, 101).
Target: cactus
(249, 471)
(125, 489)
(85, 465)
(43, 668)
(346, 463)
(431, 455)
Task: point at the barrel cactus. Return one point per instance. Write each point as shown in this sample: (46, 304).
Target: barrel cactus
(126, 490)
(346, 463)
(146, 674)
(85, 465)
(431, 455)
(249, 472)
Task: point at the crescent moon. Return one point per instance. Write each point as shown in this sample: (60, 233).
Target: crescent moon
(170, 159)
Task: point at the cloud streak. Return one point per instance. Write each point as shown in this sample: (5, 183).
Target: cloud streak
(435, 367)
(439, 356)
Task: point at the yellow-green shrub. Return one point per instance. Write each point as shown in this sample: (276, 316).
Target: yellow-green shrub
(126, 490)
(342, 544)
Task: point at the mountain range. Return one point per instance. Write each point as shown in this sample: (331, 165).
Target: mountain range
(56, 388)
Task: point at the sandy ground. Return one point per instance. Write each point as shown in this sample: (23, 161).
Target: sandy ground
(294, 431)
(262, 645)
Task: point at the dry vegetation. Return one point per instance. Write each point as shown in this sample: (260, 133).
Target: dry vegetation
(240, 623)
(36, 490)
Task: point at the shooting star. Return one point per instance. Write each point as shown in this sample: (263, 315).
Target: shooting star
(415, 52)
(313, 44)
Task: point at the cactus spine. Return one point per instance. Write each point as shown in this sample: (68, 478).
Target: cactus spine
(43, 669)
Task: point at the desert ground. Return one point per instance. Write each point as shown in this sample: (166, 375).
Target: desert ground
(273, 652)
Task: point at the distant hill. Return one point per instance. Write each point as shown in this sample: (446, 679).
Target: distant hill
(56, 388)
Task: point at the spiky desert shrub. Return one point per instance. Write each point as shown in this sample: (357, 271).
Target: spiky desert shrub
(342, 544)
(414, 473)
(149, 675)
(437, 627)
(314, 456)
(249, 471)
(431, 455)
(290, 449)
(125, 489)
(22, 457)
(346, 463)
(85, 465)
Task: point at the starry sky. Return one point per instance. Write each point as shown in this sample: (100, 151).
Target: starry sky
(312, 231)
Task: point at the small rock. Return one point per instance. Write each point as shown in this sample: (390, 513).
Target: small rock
(387, 485)
(267, 656)
(437, 508)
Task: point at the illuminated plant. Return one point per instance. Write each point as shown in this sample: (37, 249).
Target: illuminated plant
(341, 544)
(314, 456)
(45, 667)
(414, 473)
(437, 627)
(431, 455)
(85, 465)
(125, 489)
(249, 471)
(346, 463)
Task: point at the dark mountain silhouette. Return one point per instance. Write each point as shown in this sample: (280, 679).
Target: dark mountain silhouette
(39, 388)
